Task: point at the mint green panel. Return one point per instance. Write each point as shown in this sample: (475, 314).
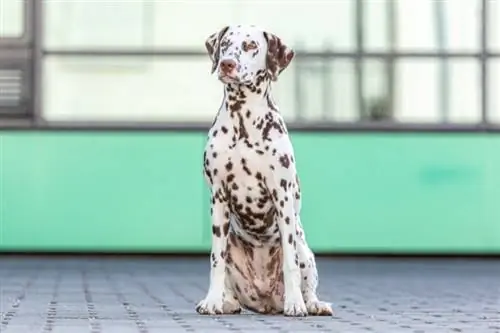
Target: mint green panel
(401, 193)
(105, 191)
(133, 191)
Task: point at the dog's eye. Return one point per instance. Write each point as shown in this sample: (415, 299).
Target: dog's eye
(248, 46)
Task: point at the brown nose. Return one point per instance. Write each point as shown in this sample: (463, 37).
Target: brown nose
(227, 65)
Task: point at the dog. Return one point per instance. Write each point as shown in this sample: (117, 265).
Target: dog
(260, 260)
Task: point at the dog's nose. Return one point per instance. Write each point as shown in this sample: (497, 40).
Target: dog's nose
(227, 65)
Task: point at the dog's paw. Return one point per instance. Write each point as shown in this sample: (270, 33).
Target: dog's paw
(318, 308)
(231, 307)
(210, 306)
(295, 306)
(217, 306)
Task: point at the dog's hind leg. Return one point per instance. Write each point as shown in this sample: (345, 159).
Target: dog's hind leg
(309, 275)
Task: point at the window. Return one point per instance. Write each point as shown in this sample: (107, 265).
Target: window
(98, 24)
(12, 18)
(493, 25)
(423, 25)
(494, 86)
(400, 61)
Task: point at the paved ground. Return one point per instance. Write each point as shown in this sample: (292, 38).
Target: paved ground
(152, 296)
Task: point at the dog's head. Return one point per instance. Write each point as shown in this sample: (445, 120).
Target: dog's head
(240, 53)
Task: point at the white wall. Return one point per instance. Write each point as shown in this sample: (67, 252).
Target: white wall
(182, 89)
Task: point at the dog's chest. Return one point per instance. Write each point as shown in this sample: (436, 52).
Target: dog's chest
(242, 172)
(230, 157)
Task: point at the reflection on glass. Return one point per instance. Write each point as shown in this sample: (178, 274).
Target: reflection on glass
(143, 23)
(11, 18)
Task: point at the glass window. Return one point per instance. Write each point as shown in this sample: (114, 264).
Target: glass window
(423, 25)
(135, 89)
(377, 96)
(313, 24)
(493, 88)
(494, 25)
(12, 18)
(464, 92)
(379, 23)
(129, 89)
(433, 91)
(318, 90)
(167, 24)
(98, 24)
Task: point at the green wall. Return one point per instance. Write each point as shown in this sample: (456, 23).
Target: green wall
(144, 191)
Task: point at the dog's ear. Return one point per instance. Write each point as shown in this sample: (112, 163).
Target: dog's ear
(212, 44)
(278, 57)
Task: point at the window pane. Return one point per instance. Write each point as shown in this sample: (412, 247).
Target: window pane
(318, 90)
(11, 18)
(431, 91)
(494, 25)
(376, 93)
(429, 24)
(493, 87)
(98, 24)
(464, 81)
(377, 18)
(143, 23)
(313, 23)
(123, 89)
(146, 89)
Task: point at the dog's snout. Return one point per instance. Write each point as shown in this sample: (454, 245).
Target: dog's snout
(227, 65)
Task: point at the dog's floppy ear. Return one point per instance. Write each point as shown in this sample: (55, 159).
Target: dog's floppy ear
(212, 44)
(279, 55)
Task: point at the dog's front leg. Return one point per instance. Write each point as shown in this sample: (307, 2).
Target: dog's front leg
(214, 300)
(282, 196)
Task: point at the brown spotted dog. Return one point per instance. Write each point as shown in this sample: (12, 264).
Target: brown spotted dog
(260, 259)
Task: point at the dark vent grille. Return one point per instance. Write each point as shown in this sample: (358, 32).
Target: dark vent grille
(11, 81)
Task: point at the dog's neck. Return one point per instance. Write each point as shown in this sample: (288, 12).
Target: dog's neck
(251, 112)
(251, 100)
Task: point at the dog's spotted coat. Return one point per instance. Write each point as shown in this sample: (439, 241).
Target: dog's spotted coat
(260, 259)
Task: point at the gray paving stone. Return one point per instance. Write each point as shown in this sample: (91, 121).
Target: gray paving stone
(153, 296)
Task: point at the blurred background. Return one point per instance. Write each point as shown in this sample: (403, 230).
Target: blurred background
(393, 107)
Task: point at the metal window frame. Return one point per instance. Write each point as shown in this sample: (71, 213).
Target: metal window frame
(358, 55)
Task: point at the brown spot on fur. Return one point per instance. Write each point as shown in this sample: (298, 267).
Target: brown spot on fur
(216, 230)
(283, 184)
(225, 228)
(290, 239)
(285, 161)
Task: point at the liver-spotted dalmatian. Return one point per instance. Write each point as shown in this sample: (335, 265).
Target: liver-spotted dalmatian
(260, 259)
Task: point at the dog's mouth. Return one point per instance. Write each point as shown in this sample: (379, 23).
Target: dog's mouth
(229, 79)
(226, 78)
